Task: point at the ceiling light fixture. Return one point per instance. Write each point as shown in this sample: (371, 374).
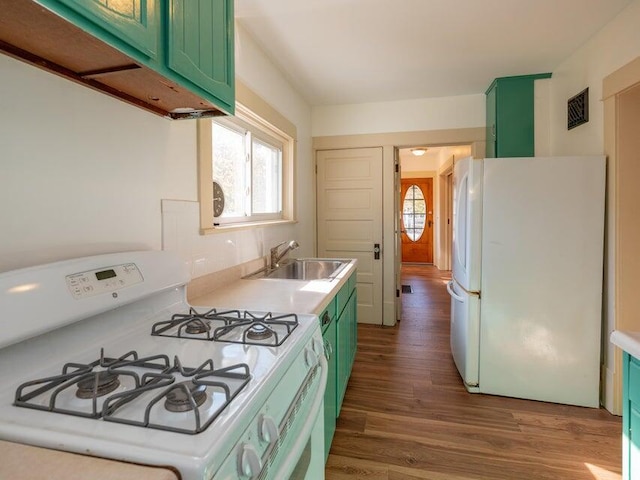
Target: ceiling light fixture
(419, 151)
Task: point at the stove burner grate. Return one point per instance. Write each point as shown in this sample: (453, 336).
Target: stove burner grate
(149, 380)
(265, 329)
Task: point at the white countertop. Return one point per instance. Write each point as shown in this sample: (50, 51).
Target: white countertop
(277, 295)
(627, 341)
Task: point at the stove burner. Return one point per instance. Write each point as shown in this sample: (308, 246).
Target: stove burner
(259, 332)
(97, 385)
(178, 400)
(197, 326)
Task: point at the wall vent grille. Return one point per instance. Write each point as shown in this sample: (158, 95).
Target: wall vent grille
(578, 109)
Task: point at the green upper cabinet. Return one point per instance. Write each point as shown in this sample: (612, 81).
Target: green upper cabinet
(510, 116)
(200, 45)
(132, 24)
(174, 58)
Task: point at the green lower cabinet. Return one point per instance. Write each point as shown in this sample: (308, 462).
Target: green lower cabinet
(340, 336)
(631, 418)
(344, 354)
(634, 443)
(330, 407)
(353, 307)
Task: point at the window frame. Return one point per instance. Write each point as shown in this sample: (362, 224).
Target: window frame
(269, 126)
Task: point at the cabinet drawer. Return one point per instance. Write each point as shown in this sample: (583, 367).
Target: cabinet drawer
(634, 380)
(328, 314)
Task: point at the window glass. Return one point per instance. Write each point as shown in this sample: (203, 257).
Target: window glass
(266, 177)
(249, 170)
(414, 212)
(228, 168)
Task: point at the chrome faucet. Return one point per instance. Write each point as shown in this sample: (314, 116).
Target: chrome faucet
(275, 257)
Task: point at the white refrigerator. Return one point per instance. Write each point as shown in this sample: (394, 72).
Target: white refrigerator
(526, 288)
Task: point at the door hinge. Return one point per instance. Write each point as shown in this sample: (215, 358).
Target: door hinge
(397, 168)
(397, 293)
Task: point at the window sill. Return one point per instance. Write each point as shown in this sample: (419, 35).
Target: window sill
(243, 226)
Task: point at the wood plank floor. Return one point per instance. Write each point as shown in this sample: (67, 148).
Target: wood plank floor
(406, 414)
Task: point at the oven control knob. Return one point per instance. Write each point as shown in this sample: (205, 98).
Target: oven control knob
(317, 346)
(249, 463)
(310, 358)
(268, 430)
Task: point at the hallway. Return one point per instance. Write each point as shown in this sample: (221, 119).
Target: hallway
(406, 414)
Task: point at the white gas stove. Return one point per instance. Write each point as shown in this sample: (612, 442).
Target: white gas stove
(103, 356)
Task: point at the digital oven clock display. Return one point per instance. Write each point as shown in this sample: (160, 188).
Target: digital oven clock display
(105, 274)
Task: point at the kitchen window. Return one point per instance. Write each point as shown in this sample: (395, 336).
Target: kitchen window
(245, 169)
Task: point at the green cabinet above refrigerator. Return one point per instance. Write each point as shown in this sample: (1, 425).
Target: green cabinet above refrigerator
(510, 116)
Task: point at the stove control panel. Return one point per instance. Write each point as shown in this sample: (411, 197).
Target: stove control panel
(103, 280)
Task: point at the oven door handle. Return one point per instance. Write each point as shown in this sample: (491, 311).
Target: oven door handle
(301, 441)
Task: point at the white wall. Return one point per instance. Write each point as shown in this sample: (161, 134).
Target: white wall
(615, 45)
(400, 116)
(82, 173)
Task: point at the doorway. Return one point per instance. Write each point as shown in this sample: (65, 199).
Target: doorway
(416, 197)
(621, 95)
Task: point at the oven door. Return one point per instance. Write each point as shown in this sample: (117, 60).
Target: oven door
(301, 453)
(291, 424)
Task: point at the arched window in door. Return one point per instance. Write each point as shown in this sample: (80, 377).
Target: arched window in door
(414, 212)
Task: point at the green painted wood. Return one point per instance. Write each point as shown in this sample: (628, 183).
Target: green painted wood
(347, 339)
(626, 415)
(132, 26)
(330, 396)
(353, 307)
(344, 356)
(342, 298)
(510, 116)
(491, 122)
(200, 46)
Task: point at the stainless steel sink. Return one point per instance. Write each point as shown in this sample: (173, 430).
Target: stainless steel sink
(304, 269)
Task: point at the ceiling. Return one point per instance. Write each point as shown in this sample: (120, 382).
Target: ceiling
(358, 51)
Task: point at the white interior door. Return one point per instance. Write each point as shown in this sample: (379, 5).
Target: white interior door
(349, 191)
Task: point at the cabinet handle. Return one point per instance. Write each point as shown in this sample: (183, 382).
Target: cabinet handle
(326, 319)
(493, 130)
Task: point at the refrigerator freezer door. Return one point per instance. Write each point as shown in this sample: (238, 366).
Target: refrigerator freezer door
(467, 223)
(542, 254)
(465, 333)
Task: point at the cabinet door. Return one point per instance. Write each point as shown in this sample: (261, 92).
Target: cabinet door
(133, 23)
(353, 309)
(330, 408)
(344, 355)
(634, 442)
(514, 118)
(200, 46)
(491, 123)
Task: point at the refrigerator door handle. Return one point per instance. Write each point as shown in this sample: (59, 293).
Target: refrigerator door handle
(453, 294)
